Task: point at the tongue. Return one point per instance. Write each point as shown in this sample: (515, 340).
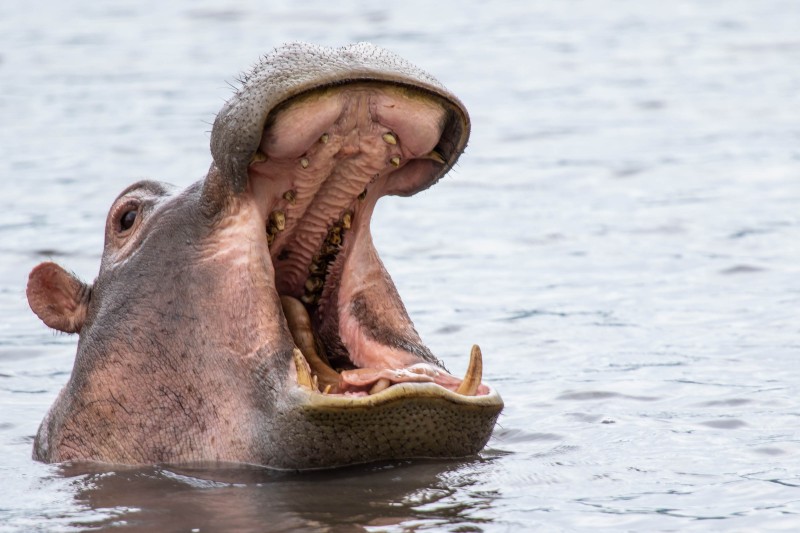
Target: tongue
(355, 382)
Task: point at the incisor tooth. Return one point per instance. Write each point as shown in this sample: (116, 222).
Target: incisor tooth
(395, 161)
(324, 138)
(472, 379)
(381, 384)
(347, 220)
(389, 138)
(290, 196)
(304, 163)
(304, 378)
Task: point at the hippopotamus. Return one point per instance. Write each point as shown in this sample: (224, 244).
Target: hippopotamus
(248, 318)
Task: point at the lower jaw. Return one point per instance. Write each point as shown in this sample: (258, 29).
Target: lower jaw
(405, 421)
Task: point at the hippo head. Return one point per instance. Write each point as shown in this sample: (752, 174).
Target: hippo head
(248, 318)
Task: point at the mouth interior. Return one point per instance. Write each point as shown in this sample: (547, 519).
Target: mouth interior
(324, 160)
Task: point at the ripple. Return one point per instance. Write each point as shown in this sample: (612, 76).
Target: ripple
(731, 423)
(742, 269)
(508, 436)
(733, 402)
(603, 395)
(768, 450)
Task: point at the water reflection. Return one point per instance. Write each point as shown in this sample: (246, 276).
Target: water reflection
(248, 498)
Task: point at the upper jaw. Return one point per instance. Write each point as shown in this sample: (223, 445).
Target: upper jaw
(298, 68)
(273, 140)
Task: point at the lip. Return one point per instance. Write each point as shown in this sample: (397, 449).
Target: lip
(402, 392)
(419, 421)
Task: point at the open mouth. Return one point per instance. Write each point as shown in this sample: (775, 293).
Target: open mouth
(324, 159)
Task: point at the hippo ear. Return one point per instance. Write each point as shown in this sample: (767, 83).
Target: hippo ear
(58, 298)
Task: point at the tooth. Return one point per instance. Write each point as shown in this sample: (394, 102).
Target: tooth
(324, 138)
(328, 249)
(309, 298)
(347, 219)
(327, 389)
(315, 268)
(363, 194)
(304, 378)
(304, 163)
(313, 284)
(278, 220)
(381, 384)
(290, 196)
(389, 138)
(395, 161)
(472, 379)
(436, 156)
(300, 326)
(258, 157)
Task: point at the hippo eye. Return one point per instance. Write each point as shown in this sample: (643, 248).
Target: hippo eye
(127, 219)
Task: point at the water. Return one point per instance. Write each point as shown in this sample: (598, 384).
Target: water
(622, 238)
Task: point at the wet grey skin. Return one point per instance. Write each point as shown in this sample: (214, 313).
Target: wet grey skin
(248, 318)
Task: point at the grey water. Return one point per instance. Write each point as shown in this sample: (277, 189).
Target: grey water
(622, 238)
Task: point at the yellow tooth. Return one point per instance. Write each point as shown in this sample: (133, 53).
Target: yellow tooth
(381, 384)
(300, 326)
(436, 156)
(472, 379)
(395, 161)
(304, 378)
(310, 299)
(316, 268)
(389, 138)
(347, 219)
(327, 389)
(258, 157)
(290, 196)
(278, 220)
(324, 138)
(313, 284)
(304, 163)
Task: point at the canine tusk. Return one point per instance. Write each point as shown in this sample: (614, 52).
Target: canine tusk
(304, 378)
(472, 379)
(300, 326)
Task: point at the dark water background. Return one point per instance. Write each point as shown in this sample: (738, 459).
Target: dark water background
(622, 238)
